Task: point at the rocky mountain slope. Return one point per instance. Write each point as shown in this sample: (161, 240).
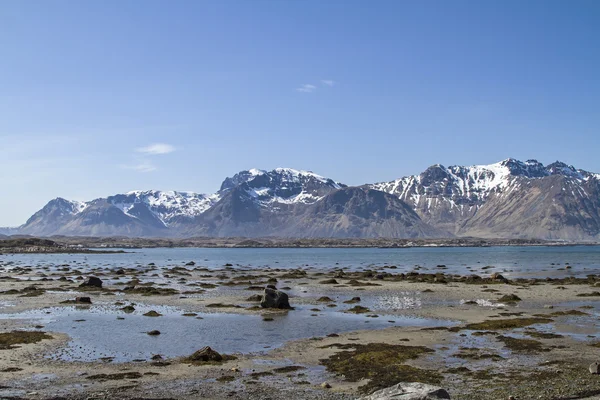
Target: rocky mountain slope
(490, 200)
(509, 199)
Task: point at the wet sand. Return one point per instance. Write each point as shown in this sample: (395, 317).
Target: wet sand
(417, 326)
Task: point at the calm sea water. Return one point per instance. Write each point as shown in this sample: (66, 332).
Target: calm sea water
(513, 261)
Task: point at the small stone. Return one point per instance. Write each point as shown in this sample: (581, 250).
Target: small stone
(497, 277)
(325, 385)
(154, 333)
(152, 313)
(594, 368)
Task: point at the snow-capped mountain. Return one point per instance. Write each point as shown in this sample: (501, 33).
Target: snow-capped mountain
(154, 212)
(166, 206)
(282, 186)
(507, 199)
(449, 197)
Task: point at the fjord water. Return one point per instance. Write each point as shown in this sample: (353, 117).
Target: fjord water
(514, 261)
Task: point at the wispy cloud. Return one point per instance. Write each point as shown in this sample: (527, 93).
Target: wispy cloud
(142, 166)
(155, 149)
(328, 82)
(142, 162)
(306, 88)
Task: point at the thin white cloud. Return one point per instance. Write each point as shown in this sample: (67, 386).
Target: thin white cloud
(306, 88)
(328, 82)
(156, 148)
(142, 166)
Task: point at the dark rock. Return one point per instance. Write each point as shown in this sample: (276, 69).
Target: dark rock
(497, 277)
(152, 313)
(275, 299)
(92, 281)
(206, 355)
(353, 300)
(153, 333)
(85, 300)
(329, 282)
(324, 299)
(509, 298)
(254, 297)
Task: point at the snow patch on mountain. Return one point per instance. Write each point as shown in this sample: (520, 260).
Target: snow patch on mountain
(165, 205)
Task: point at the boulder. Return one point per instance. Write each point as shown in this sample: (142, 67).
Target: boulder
(254, 297)
(85, 300)
(206, 354)
(275, 299)
(92, 281)
(409, 391)
(497, 277)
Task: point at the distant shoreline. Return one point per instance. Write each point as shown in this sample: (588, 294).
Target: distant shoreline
(95, 245)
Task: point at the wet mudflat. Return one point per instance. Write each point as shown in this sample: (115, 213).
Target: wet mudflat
(483, 334)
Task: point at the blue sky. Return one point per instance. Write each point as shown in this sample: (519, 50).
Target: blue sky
(359, 91)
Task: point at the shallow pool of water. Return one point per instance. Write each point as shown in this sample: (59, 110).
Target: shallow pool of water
(105, 332)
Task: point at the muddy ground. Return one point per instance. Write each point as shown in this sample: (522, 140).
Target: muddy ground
(480, 336)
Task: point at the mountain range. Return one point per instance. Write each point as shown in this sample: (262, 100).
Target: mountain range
(508, 199)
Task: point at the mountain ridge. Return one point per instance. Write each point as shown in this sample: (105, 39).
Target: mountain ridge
(487, 200)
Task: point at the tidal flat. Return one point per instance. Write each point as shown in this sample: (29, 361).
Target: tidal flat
(174, 329)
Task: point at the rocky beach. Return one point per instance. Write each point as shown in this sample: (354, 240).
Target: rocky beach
(185, 331)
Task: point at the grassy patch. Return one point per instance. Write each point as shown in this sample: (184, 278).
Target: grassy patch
(8, 340)
(221, 305)
(151, 291)
(358, 310)
(288, 369)
(381, 363)
(563, 314)
(116, 377)
(475, 354)
(513, 323)
(522, 345)
(543, 335)
(592, 294)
